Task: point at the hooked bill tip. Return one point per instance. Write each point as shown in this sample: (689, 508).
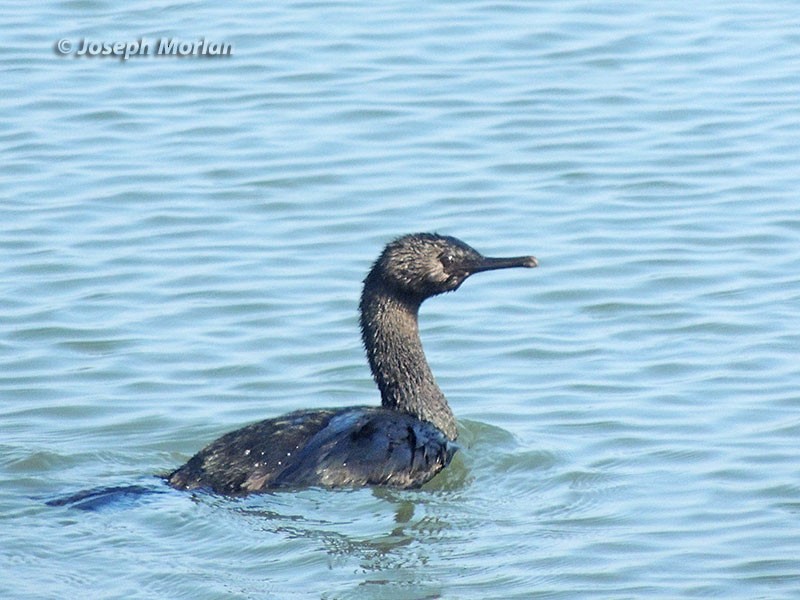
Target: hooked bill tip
(530, 262)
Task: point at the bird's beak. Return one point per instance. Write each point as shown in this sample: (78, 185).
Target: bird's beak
(487, 263)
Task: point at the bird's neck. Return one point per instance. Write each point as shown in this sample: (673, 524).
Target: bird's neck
(390, 333)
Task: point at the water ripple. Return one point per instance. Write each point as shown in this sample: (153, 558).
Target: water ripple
(184, 242)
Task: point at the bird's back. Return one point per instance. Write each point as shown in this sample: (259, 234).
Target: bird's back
(355, 446)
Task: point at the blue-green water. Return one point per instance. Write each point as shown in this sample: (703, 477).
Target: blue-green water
(183, 241)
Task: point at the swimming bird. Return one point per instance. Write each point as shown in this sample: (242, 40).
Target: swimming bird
(404, 442)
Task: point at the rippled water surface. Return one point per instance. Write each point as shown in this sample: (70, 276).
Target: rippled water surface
(183, 241)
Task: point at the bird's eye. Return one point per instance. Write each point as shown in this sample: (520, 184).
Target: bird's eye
(447, 259)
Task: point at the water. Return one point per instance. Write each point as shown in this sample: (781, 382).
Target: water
(183, 241)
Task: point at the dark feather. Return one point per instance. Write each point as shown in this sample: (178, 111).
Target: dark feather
(350, 447)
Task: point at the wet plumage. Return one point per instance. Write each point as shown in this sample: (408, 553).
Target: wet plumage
(403, 443)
